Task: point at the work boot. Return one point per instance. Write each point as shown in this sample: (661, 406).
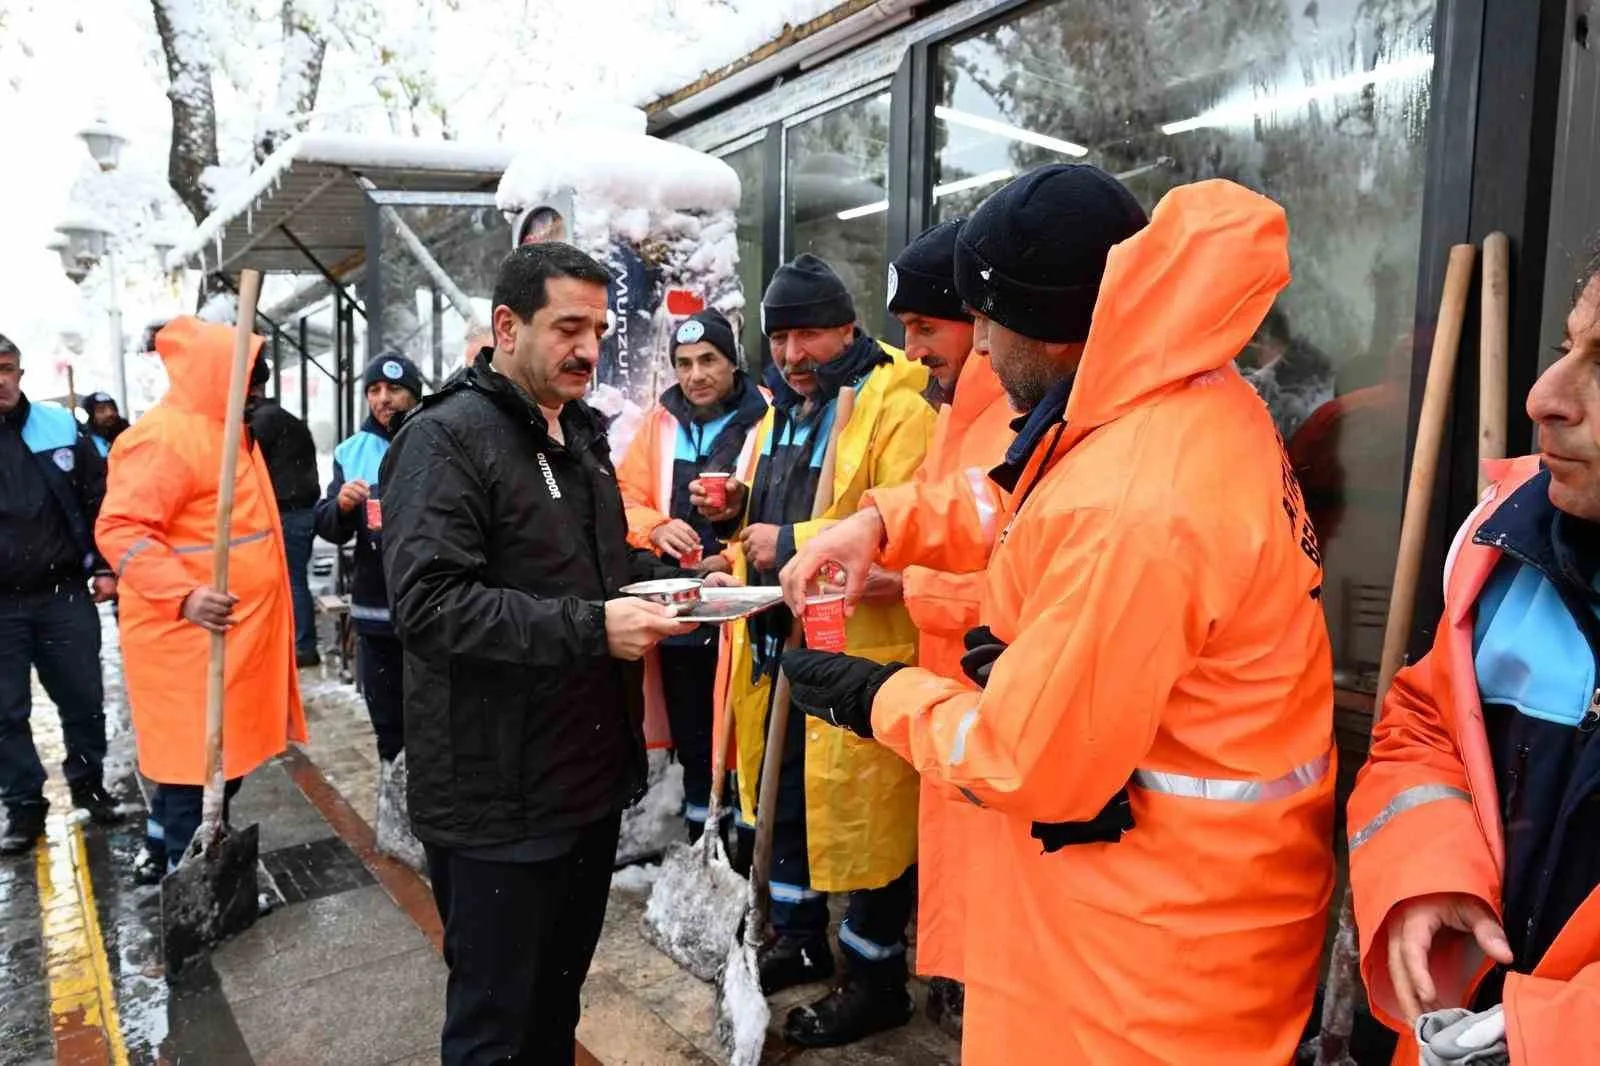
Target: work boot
(304, 659)
(946, 1003)
(794, 960)
(24, 828)
(859, 1007)
(393, 831)
(92, 796)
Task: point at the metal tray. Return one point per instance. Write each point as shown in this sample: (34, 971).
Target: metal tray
(732, 603)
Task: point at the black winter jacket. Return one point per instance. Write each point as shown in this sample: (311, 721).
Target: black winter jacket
(500, 549)
(291, 454)
(369, 599)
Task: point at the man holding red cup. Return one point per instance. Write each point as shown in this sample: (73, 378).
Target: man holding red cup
(352, 508)
(700, 428)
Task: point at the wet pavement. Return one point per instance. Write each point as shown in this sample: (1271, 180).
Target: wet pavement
(345, 969)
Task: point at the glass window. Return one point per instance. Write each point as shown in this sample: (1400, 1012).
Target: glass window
(836, 200)
(437, 262)
(1321, 106)
(750, 163)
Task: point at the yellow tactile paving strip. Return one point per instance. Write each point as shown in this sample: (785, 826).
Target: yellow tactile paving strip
(83, 1002)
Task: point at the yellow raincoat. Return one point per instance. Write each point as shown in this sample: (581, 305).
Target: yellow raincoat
(861, 799)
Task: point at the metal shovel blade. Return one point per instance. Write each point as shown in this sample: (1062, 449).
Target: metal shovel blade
(695, 906)
(212, 894)
(742, 1011)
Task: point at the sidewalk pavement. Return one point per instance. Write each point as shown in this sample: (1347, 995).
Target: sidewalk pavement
(345, 969)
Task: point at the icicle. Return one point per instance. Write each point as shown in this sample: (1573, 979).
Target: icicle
(250, 218)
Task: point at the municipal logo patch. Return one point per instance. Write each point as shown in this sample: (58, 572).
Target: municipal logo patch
(63, 459)
(691, 331)
(894, 283)
(392, 370)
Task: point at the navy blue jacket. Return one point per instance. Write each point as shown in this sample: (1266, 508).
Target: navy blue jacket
(1541, 705)
(52, 480)
(357, 458)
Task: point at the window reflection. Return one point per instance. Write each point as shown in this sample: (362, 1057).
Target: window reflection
(750, 163)
(836, 177)
(1321, 106)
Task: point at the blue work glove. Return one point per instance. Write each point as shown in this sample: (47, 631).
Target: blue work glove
(839, 689)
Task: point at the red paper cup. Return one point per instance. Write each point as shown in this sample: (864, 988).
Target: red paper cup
(715, 486)
(824, 622)
(374, 515)
(690, 559)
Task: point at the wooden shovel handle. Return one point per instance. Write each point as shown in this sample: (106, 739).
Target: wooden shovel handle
(232, 433)
(1494, 345)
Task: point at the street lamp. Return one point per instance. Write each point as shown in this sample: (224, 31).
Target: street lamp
(87, 244)
(104, 143)
(69, 263)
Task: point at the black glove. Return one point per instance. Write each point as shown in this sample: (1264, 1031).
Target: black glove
(983, 648)
(1107, 827)
(837, 688)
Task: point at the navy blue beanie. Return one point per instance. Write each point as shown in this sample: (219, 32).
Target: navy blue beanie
(394, 368)
(1032, 256)
(710, 326)
(922, 278)
(805, 294)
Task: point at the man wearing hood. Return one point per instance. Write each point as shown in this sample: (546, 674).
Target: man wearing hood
(1152, 732)
(105, 420)
(702, 424)
(156, 527)
(353, 508)
(847, 810)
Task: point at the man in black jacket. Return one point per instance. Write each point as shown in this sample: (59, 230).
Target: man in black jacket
(353, 508)
(51, 483)
(504, 549)
(291, 455)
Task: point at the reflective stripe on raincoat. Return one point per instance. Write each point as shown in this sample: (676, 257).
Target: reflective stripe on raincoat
(155, 528)
(861, 801)
(971, 435)
(1425, 818)
(1160, 596)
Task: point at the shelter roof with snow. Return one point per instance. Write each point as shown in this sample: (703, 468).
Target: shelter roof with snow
(308, 197)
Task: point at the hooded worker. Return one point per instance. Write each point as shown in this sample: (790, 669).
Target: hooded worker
(973, 430)
(1151, 727)
(1474, 826)
(105, 421)
(846, 810)
(703, 423)
(156, 527)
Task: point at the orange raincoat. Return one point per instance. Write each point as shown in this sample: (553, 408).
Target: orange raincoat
(1425, 818)
(1158, 590)
(972, 433)
(156, 528)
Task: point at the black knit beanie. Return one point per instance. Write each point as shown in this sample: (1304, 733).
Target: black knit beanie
(922, 278)
(710, 326)
(394, 368)
(1032, 255)
(95, 399)
(806, 294)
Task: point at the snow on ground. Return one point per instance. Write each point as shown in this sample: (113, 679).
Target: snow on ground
(656, 820)
(636, 879)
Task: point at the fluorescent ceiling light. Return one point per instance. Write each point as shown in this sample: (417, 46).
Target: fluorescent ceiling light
(1002, 129)
(977, 181)
(864, 210)
(1237, 113)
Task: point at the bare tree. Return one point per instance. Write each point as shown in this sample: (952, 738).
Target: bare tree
(194, 107)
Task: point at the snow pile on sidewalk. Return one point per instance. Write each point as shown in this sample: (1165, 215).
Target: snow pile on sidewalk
(656, 821)
(636, 879)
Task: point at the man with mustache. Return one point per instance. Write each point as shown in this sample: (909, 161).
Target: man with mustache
(105, 420)
(846, 816)
(702, 423)
(504, 548)
(353, 508)
(1474, 826)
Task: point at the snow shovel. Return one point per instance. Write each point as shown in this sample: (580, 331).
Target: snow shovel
(695, 907)
(742, 1011)
(213, 892)
(1344, 966)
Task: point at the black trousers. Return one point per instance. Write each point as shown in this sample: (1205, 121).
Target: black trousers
(688, 677)
(175, 812)
(382, 667)
(56, 632)
(518, 939)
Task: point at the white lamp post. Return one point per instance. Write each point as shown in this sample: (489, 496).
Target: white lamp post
(104, 143)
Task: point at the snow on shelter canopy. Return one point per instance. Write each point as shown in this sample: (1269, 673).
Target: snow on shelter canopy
(312, 188)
